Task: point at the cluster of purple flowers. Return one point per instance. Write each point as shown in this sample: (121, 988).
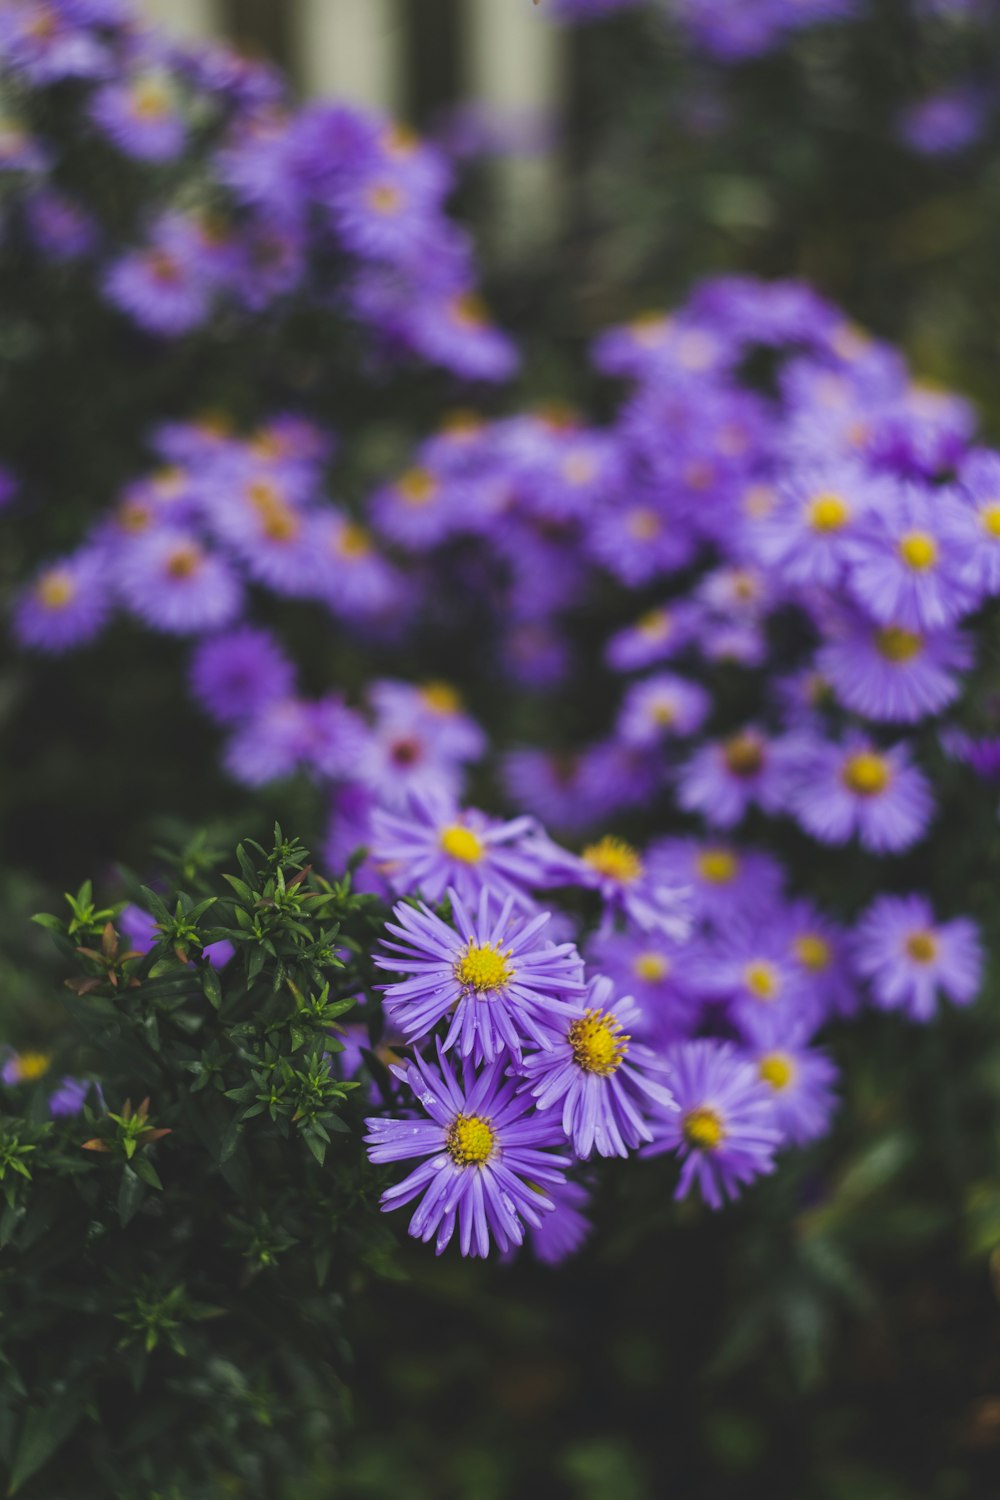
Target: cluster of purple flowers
(819, 532)
(240, 202)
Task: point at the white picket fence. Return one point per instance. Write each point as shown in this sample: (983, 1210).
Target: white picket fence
(512, 64)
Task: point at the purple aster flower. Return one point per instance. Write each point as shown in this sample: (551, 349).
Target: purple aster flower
(488, 1160)
(801, 1079)
(910, 958)
(141, 117)
(162, 286)
(725, 778)
(818, 951)
(561, 1234)
(752, 969)
(908, 569)
(598, 1077)
(658, 635)
(169, 580)
(638, 541)
(66, 606)
(433, 708)
(59, 227)
(627, 887)
(262, 517)
(723, 1127)
(660, 974)
(354, 578)
(945, 124)
(495, 979)
(69, 1097)
(236, 675)
(722, 880)
(660, 707)
(438, 845)
(818, 512)
(45, 45)
(839, 791)
(976, 524)
(890, 674)
(455, 331)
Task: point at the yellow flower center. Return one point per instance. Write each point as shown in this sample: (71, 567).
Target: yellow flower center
(762, 979)
(352, 541)
(743, 754)
(277, 518)
(461, 843)
(651, 966)
(470, 1140)
(469, 311)
(400, 140)
(655, 626)
(183, 562)
(417, 487)
(384, 198)
(897, 644)
(918, 550)
(777, 1069)
(649, 328)
(990, 518)
(55, 589)
(643, 524)
(717, 866)
(866, 774)
(613, 857)
(812, 952)
(597, 1043)
(828, 512)
(441, 698)
(30, 1066)
(483, 968)
(663, 712)
(922, 947)
(150, 100)
(703, 1128)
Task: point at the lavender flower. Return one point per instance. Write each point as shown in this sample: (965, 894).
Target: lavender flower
(488, 1159)
(909, 958)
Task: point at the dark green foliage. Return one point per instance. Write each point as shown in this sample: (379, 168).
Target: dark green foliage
(176, 1259)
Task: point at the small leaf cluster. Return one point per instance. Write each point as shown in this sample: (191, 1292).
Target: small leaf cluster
(176, 1259)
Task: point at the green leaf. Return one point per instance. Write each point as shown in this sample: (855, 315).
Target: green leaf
(130, 1195)
(44, 1431)
(211, 986)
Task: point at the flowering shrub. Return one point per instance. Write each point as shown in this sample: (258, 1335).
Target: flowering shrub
(657, 745)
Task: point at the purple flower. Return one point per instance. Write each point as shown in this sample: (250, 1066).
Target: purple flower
(723, 1127)
(944, 124)
(561, 1234)
(66, 606)
(800, 1078)
(495, 979)
(433, 709)
(69, 1097)
(908, 569)
(437, 845)
(162, 286)
(169, 580)
(141, 117)
(660, 974)
(804, 536)
(725, 778)
(659, 634)
(627, 887)
(909, 958)
(817, 948)
(488, 1163)
(976, 524)
(854, 788)
(236, 675)
(891, 674)
(722, 881)
(659, 708)
(60, 228)
(600, 1079)
(752, 969)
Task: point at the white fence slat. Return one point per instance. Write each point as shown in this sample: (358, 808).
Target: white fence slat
(351, 49)
(514, 70)
(195, 19)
